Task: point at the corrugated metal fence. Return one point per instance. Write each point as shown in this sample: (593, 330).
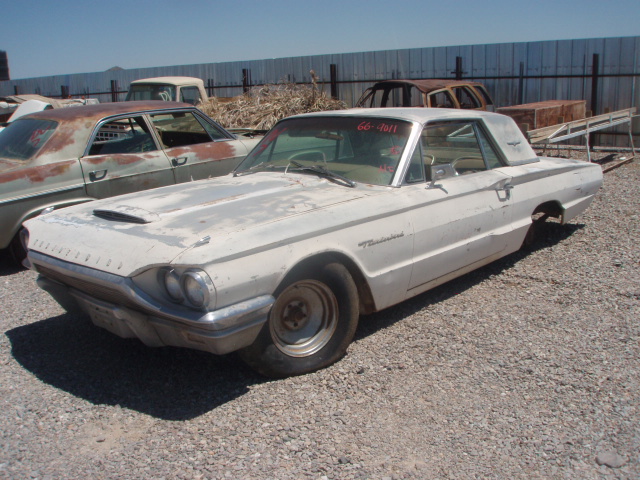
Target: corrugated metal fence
(513, 72)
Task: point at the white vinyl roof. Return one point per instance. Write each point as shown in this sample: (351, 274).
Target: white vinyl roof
(170, 80)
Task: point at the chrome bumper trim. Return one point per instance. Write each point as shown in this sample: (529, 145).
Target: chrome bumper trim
(128, 314)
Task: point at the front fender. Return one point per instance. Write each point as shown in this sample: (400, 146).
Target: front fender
(13, 216)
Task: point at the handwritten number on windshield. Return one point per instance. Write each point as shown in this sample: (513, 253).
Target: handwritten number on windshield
(381, 127)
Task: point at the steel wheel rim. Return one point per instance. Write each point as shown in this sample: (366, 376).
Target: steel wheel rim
(304, 318)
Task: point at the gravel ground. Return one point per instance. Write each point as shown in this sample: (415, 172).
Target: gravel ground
(528, 368)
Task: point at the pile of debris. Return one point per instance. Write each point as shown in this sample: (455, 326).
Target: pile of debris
(262, 107)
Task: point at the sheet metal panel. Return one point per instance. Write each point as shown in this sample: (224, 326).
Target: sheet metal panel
(478, 62)
(415, 63)
(440, 69)
(404, 64)
(428, 63)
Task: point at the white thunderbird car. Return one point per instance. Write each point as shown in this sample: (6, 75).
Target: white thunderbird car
(332, 215)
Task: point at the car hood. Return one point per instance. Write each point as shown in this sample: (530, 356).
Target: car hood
(125, 234)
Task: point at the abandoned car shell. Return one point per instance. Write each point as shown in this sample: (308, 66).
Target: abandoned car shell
(434, 93)
(332, 215)
(61, 157)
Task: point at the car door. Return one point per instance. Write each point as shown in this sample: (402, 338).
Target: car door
(196, 148)
(463, 216)
(123, 157)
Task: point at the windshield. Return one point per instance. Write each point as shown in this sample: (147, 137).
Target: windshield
(22, 139)
(360, 149)
(151, 92)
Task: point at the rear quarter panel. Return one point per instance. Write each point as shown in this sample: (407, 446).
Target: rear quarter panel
(26, 191)
(571, 183)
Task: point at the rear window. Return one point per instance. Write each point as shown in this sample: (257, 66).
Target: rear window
(151, 92)
(22, 139)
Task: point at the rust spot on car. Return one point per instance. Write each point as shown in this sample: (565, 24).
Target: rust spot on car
(205, 151)
(99, 111)
(76, 124)
(119, 159)
(97, 160)
(70, 136)
(37, 174)
(8, 165)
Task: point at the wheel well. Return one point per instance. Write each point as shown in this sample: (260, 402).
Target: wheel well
(548, 209)
(365, 296)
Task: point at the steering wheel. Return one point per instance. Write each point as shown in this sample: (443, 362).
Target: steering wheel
(465, 165)
(309, 155)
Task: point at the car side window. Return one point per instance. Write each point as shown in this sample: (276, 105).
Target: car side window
(490, 155)
(121, 136)
(459, 144)
(190, 95)
(394, 96)
(415, 97)
(371, 98)
(441, 99)
(417, 166)
(466, 98)
(214, 131)
(485, 95)
(179, 129)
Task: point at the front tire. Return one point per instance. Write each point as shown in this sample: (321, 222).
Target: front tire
(17, 248)
(311, 323)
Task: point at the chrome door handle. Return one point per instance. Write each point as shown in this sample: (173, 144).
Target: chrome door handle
(97, 175)
(507, 187)
(179, 161)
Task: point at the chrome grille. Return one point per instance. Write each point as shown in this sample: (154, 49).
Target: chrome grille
(100, 292)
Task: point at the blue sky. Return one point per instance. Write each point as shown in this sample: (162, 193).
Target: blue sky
(44, 37)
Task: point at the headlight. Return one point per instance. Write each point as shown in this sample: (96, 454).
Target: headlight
(193, 288)
(171, 281)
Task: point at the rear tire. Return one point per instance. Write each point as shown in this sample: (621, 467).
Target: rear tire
(310, 326)
(536, 229)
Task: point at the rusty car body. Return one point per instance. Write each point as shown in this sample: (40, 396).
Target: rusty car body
(332, 215)
(61, 157)
(434, 93)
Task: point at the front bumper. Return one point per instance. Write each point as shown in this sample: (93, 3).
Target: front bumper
(113, 304)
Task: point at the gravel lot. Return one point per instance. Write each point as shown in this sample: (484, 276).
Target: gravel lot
(528, 368)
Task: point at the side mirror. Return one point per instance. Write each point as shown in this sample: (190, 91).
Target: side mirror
(438, 172)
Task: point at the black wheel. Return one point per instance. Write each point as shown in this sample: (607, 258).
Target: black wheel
(310, 326)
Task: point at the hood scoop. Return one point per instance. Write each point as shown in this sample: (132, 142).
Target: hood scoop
(124, 213)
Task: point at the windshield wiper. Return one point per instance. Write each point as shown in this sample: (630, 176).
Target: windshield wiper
(257, 168)
(323, 172)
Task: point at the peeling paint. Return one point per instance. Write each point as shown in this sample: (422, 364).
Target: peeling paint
(59, 165)
(37, 174)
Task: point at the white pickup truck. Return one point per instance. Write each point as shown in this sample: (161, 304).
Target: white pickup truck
(170, 89)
